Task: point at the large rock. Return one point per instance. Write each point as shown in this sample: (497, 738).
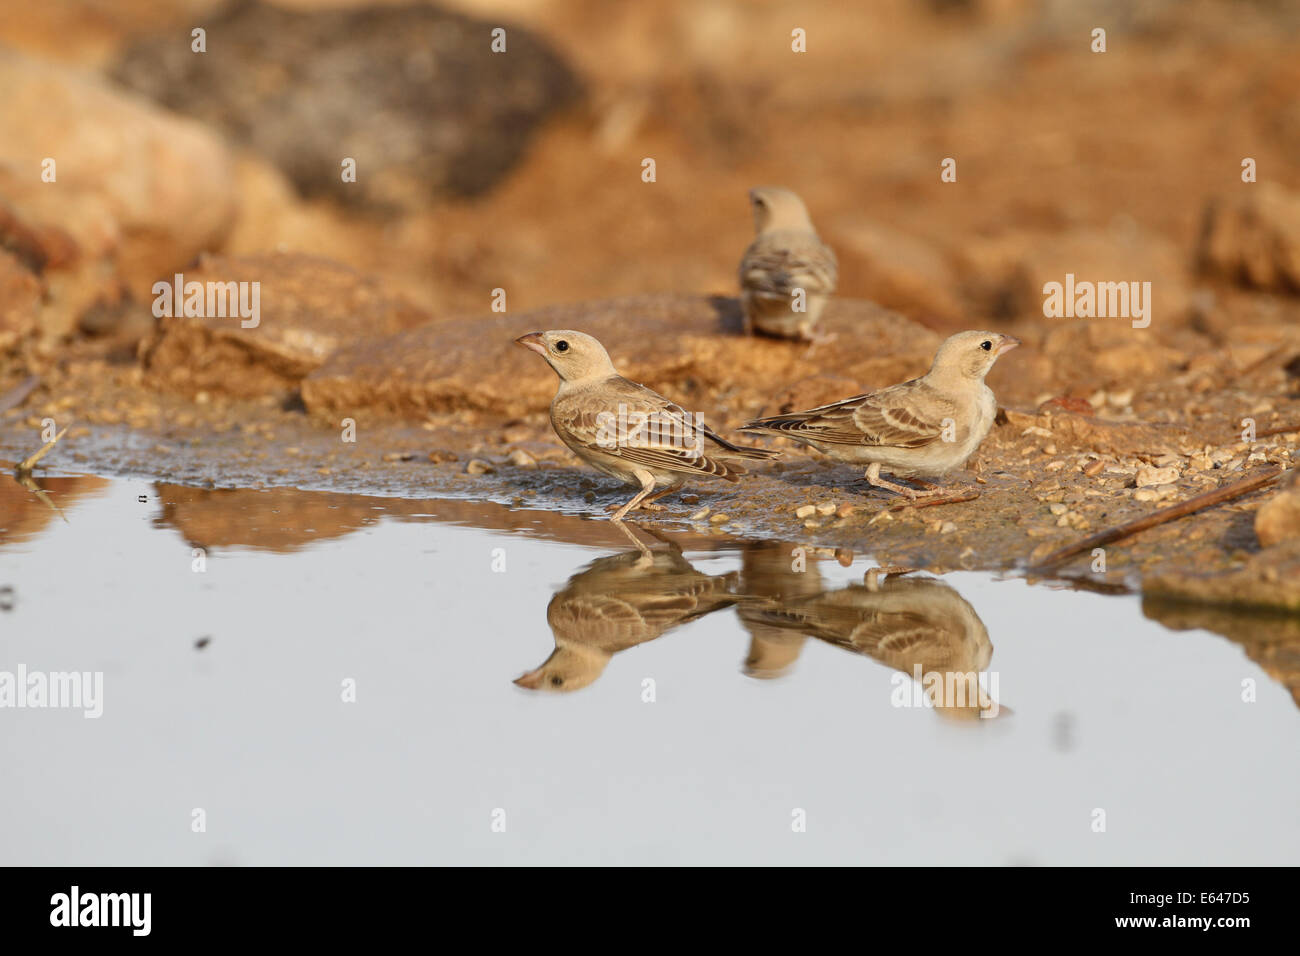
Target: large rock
(1253, 237)
(1278, 519)
(1268, 581)
(671, 342)
(899, 271)
(1005, 275)
(307, 308)
(413, 94)
(136, 192)
(20, 302)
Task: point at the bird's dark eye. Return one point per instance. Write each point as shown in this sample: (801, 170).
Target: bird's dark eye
(561, 346)
(986, 346)
(557, 681)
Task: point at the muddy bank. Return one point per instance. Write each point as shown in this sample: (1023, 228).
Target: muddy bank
(451, 408)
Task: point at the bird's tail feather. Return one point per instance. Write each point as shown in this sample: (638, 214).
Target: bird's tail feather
(743, 451)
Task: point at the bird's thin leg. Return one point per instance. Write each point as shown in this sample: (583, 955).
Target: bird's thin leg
(648, 505)
(640, 546)
(647, 485)
(873, 478)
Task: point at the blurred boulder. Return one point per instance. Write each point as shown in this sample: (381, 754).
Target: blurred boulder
(1278, 519)
(689, 346)
(20, 302)
(899, 271)
(265, 322)
(1269, 580)
(100, 193)
(1004, 276)
(1087, 354)
(415, 95)
(1253, 238)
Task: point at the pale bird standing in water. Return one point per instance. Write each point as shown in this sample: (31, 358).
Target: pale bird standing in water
(619, 602)
(628, 431)
(928, 426)
(786, 257)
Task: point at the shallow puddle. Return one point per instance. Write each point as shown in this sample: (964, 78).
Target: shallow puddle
(290, 677)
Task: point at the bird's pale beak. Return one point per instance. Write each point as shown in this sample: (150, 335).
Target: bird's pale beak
(533, 679)
(1008, 343)
(533, 340)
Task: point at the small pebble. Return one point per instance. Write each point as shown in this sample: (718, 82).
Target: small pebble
(477, 466)
(720, 519)
(1094, 468)
(1150, 475)
(826, 508)
(700, 515)
(521, 459)
(690, 499)
(805, 511)
(1058, 508)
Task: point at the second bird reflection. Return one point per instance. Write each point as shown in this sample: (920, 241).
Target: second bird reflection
(918, 626)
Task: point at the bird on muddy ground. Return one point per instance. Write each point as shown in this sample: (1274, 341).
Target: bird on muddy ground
(787, 273)
(928, 426)
(628, 431)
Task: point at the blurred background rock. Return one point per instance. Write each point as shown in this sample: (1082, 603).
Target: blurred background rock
(522, 171)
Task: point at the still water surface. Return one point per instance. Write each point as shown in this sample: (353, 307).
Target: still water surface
(706, 703)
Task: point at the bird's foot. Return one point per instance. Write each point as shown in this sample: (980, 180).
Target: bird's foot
(872, 578)
(642, 506)
(911, 494)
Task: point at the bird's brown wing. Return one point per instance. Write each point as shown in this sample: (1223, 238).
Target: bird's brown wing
(910, 415)
(641, 427)
(777, 265)
(613, 604)
(861, 627)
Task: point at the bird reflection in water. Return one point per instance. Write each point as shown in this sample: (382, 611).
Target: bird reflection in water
(918, 626)
(619, 602)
